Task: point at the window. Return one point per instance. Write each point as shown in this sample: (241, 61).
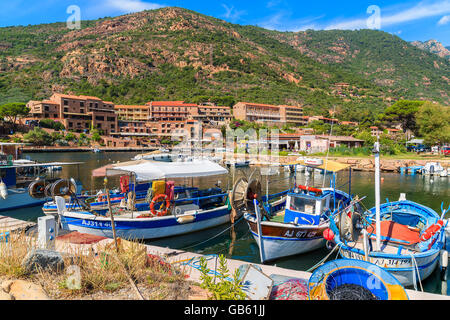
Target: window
(46, 108)
(81, 110)
(70, 124)
(55, 115)
(66, 109)
(111, 119)
(81, 104)
(100, 118)
(66, 102)
(303, 205)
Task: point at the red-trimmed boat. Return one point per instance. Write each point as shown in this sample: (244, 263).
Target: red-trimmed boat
(292, 222)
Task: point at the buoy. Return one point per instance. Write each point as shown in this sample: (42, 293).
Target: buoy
(3, 190)
(328, 234)
(185, 219)
(444, 264)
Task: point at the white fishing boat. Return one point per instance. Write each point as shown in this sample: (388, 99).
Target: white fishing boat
(168, 216)
(16, 187)
(290, 222)
(434, 168)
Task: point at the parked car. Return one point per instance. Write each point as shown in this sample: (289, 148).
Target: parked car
(446, 151)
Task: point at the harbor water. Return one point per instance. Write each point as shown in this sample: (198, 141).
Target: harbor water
(236, 242)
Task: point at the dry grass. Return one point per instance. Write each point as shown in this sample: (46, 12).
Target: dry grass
(12, 253)
(98, 274)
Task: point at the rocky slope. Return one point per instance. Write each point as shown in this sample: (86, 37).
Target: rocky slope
(173, 53)
(433, 46)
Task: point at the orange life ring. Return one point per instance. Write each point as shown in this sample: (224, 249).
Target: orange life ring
(305, 188)
(102, 198)
(157, 198)
(432, 230)
(124, 184)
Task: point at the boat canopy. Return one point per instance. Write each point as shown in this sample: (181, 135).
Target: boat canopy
(147, 170)
(328, 165)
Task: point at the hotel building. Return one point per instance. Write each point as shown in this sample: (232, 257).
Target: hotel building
(76, 113)
(270, 114)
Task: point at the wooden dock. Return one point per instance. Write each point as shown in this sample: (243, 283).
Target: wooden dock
(8, 224)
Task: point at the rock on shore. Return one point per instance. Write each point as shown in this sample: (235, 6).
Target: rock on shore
(21, 290)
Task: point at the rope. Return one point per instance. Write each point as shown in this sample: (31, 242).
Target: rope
(414, 263)
(217, 235)
(194, 262)
(324, 259)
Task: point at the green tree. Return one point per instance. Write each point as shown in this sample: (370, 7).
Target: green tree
(38, 137)
(433, 121)
(70, 137)
(13, 111)
(403, 111)
(96, 137)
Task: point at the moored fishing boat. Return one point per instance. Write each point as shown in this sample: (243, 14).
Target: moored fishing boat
(167, 216)
(403, 237)
(16, 177)
(407, 249)
(294, 220)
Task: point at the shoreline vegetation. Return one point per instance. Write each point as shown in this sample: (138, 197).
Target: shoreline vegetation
(103, 273)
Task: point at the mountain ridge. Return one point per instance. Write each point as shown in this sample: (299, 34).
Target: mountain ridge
(433, 46)
(175, 53)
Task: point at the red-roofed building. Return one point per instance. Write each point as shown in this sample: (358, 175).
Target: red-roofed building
(76, 113)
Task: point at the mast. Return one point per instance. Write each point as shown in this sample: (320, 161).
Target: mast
(376, 151)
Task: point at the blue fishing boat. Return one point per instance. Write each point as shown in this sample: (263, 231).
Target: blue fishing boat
(193, 210)
(403, 237)
(291, 222)
(411, 239)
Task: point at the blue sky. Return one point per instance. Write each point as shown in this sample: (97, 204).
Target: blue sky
(410, 20)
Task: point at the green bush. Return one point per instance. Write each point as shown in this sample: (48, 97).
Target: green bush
(39, 137)
(221, 288)
(51, 124)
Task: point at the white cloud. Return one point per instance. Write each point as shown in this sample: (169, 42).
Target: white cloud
(444, 20)
(422, 10)
(282, 21)
(107, 7)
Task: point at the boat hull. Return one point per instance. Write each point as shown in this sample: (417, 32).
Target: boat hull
(407, 267)
(19, 198)
(146, 228)
(401, 268)
(280, 240)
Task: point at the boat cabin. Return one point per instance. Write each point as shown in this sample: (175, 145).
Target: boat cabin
(306, 207)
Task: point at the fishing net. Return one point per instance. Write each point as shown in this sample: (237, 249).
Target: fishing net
(351, 292)
(293, 289)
